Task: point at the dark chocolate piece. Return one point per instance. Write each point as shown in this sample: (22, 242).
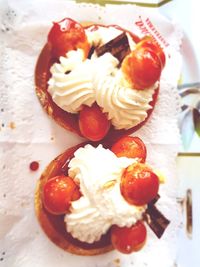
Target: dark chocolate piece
(118, 47)
(92, 49)
(156, 220)
(155, 199)
(68, 72)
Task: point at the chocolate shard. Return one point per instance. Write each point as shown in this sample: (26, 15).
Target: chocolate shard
(156, 220)
(118, 47)
(92, 49)
(155, 199)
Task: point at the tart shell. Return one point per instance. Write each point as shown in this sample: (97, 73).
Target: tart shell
(67, 120)
(54, 225)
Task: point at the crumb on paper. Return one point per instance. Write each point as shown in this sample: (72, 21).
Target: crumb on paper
(34, 165)
(12, 125)
(24, 204)
(52, 138)
(117, 261)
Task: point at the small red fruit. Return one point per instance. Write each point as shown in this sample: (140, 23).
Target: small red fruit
(142, 67)
(139, 184)
(93, 123)
(58, 192)
(128, 240)
(67, 35)
(130, 147)
(150, 43)
(34, 166)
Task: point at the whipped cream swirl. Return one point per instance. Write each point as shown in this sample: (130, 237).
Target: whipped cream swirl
(77, 81)
(126, 107)
(102, 204)
(71, 83)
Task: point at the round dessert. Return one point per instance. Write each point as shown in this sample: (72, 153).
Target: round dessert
(91, 199)
(98, 81)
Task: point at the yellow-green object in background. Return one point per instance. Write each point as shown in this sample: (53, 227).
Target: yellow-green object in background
(144, 3)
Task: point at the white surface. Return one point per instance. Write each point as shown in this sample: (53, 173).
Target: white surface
(25, 25)
(188, 172)
(186, 13)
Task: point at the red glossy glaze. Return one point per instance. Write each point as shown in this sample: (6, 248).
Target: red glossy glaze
(150, 43)
(128, 240)
(142, 67)
(58, 193)
(139, 184)
(130, 147)
(93, 123)
(67, 35)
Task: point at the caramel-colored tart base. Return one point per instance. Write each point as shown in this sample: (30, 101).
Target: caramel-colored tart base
(53, 225)
(67, 120)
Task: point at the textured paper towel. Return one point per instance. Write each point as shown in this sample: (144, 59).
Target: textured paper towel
(28, 134)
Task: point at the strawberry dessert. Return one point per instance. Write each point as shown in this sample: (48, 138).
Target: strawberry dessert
(98, 81)
(92, 199)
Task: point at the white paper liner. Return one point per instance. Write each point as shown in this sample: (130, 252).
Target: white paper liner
(28, 134)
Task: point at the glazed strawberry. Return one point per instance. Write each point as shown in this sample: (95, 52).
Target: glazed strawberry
(58, 192)
(142, 68)
(67, 35)
(139, 184)
(130, 147)
(128, 240)
(93, 123)
(150, 43)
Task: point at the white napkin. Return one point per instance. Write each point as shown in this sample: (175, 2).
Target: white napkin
(28, 134)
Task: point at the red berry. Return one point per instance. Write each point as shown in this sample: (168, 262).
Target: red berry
(150, 43)
(128, 240)
(142, 68)
(139, 184)
(67, 35)
(93, 123)
(58, 192)
(34, 165)
(130, 147)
